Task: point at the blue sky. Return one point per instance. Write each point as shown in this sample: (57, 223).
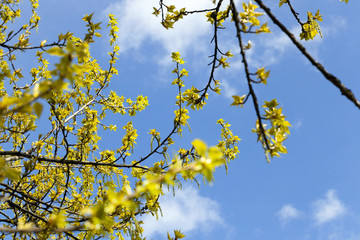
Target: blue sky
(310, 193)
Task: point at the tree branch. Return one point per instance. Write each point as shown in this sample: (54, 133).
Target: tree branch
(67, 162)
(247, 72)
(334, 80)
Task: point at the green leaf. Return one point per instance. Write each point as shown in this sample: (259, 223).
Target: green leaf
(57, 51)
(168, 236)
(178, 234)
(38, 107)
(238, 100)
(199, 146)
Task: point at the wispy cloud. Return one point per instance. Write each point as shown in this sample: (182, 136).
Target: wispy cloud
(338, 235)
(187, 211)
(270, 48)
(343, 235)
(137, 25)
(288, 213)
(328, 209)
(333, 25)
(227, 90)
(322, 216)
(298, 123)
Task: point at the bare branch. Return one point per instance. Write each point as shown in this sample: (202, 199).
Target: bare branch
(247, 72)
(334, 80)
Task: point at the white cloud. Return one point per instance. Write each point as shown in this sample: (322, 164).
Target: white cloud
(287, 213)
(187, 211)
(271, 47)
(334, 25)
(228, 90)
(298, 123)
(276, 45)
(137, 25)
(329, 208)
(267, 49)
(343, 235)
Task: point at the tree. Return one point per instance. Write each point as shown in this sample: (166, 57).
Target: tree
(61, 182)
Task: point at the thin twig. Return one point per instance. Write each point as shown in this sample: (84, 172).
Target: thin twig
(247, 72)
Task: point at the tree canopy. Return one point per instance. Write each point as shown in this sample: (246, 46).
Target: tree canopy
(59, 181)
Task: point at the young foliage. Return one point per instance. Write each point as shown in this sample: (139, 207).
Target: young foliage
(58, 181)
(62, 183)
(311, 28)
